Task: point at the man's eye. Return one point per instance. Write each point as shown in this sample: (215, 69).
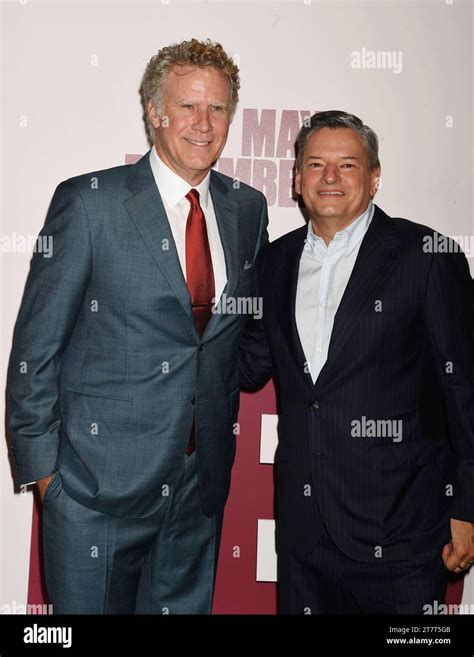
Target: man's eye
(313, 165)
(187, 106)
(217, 108)
(347, 165)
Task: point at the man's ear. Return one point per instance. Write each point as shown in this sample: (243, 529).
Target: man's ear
(375, 181)
(298, 181)
(153, 115)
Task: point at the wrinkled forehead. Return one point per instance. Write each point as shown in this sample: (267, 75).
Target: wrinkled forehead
(200, 80)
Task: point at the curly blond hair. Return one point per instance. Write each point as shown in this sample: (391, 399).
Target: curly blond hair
(190, 53)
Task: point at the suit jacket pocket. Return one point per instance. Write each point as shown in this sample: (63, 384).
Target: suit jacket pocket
(405, 454)
(96, 440)
(87, 406)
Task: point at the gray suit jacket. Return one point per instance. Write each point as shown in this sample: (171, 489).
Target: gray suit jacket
(107, 369)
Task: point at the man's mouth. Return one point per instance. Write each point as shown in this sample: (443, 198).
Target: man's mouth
(199, 144)
(330, 193)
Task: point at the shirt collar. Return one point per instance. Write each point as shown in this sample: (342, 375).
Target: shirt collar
(349, 237)
(172, 187)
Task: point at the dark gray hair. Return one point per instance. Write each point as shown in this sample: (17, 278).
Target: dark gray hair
(339, 119)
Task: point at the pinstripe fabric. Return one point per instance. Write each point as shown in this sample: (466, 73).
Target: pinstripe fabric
(326, 581)
(404, 315)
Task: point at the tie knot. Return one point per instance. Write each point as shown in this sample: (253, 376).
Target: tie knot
(193, 197)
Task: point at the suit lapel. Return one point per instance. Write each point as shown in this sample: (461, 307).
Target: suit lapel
(227, 223)
(147, 212)
(286, 283)
(375, 262)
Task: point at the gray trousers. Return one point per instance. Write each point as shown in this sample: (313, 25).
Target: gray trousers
(164, 563)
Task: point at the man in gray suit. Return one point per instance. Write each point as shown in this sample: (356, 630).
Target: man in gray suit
(123, 388)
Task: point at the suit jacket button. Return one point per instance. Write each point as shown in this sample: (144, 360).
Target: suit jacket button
(314, 406)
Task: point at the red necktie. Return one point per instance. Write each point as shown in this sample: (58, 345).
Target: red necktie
(199, 273)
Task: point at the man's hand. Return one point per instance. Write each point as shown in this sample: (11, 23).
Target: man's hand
(458, 554)
(43, 485)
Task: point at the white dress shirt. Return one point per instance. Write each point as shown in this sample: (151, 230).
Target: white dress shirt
(173, 190)
(323, 276)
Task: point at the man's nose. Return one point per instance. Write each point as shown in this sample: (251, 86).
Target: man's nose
(330, 173)
(202, 121)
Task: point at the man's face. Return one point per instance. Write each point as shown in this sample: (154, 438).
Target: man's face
(334, 179)
(193, 122)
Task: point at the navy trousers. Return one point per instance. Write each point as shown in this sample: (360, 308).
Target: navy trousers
(164, 563)
(329, 582)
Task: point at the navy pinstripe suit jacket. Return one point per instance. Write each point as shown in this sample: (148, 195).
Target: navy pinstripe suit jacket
(405, 323)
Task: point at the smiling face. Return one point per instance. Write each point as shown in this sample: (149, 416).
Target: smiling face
(334, 179)
(193, 121)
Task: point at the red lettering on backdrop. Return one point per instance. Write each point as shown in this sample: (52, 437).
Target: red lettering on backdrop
(268, 153)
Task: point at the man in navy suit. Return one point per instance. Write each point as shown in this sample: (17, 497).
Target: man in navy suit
(123, 382)
(360, 313)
